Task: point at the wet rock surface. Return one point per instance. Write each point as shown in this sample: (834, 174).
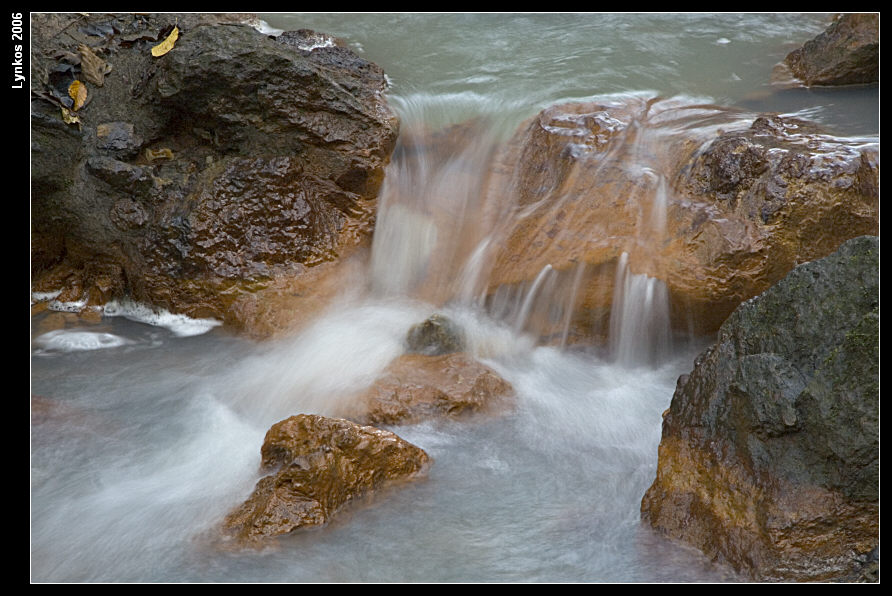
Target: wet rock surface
(769, 459)
(222, 167)
(847, 53)
(416, 387)
(320, 465)
(720, 205)
(435, 336)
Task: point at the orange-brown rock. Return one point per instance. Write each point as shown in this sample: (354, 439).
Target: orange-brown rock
(320, 465)
(716, 203)
(415, 387)
(769, 459)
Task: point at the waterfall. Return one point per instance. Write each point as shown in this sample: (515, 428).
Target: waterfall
(639, 320)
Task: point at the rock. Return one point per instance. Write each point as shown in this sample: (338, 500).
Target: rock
(234, 163)
(717, 203)
(118, 139)
(321, 464)
(847, 53)
(416, 387)
(768, 198)
(770, 448)
(435, 336)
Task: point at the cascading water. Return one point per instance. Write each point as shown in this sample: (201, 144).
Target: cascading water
(639, 321)
(143, 439)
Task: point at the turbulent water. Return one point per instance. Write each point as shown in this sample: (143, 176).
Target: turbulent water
(146, 428)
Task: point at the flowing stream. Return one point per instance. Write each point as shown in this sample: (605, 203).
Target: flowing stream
(146, 428)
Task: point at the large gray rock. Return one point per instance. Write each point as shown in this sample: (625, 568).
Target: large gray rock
(207, 173)
(769, 459)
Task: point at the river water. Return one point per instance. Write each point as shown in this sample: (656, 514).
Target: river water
(146, 429)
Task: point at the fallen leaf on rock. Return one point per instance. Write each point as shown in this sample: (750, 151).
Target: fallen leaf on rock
(78, 92)
(166, 45)
(154, 154)
(70, 118)
(69, 57)
(93, 67)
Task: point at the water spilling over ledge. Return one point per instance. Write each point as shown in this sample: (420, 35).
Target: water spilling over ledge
(558, 258)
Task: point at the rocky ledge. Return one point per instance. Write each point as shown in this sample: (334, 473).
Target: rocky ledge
(195, 179)
(717, 203)
(769, 459)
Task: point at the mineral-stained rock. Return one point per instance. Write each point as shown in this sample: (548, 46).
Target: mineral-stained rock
(416, 387)
(717, 203)
(847, 53)
(320, 465)
(769, 459)
(232, 163)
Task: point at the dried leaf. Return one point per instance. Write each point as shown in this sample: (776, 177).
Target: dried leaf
(70, 118)
(93, 67)
(78, 92)
(155, 154)
(166, 45)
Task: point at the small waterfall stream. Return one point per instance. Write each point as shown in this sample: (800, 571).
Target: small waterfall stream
(143, 439)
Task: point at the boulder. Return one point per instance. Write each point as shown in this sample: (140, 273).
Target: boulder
(417, 387)
(717, 203)
(847, 53)
(769, 458)
(319, 466)
(233, 163)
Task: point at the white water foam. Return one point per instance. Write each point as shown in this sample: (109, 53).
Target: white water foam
(64, 340)
(44, 296)
(179, 325)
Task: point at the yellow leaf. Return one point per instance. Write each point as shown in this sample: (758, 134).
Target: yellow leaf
(78, 92)
(70, 118)
(154, 154)
(166, 45)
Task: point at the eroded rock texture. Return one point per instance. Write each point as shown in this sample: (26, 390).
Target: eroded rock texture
(319, 465)
(769, 459)
(234, 163)
(717, 203)
(417, 387)
(847, 53)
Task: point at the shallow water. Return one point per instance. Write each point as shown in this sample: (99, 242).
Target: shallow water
(146, 446)
(144, 436)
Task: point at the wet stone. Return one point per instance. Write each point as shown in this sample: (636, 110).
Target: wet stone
(435, 336)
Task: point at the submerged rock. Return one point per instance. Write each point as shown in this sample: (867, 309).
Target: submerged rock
(847, 53)
(416, 387)
(232, 163)
(769, 459)
(320, 465)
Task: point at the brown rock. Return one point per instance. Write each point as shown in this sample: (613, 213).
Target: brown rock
(234, 163)
(416, 387)
(847, 53)
(321, 465)
(716, 208)
(92, 282)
